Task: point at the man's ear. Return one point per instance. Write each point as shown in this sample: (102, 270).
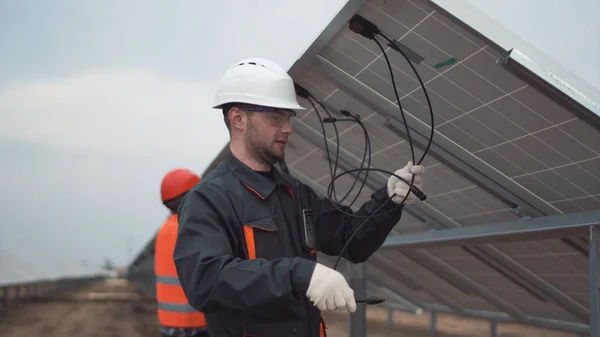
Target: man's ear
(236, 118)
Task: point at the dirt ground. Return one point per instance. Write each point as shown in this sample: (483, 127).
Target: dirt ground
(409, 325)
(128, 316)
(76, 316)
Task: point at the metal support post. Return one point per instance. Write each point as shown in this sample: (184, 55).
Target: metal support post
(390, 320)
(493, 329)
(433, 325)
(593, 277)
(358, 282)
(4, 298)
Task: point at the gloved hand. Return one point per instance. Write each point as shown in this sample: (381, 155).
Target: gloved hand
(328, 290)
(400, 188)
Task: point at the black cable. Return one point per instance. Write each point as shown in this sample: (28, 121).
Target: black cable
(302, 92)
(409, 138)
(362, 26)
(332, 170)
(366, 154)
(333, 120)
(284, 167)
(432, 130)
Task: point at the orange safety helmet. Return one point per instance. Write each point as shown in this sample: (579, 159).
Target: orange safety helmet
(176, 182)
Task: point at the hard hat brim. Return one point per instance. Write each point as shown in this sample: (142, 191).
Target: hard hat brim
(254, 101)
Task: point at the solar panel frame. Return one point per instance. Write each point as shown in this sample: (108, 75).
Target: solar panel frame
(519, 58)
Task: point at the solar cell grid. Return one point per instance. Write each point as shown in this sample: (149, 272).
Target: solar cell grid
(482, 274)
(447, 191)
(480, 106)
(553, 261)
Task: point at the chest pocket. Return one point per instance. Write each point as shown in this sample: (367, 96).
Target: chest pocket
(262, 238)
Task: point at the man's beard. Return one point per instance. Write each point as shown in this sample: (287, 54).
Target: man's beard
(259, 150)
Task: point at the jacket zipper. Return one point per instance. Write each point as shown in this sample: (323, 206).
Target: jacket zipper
(300, 252)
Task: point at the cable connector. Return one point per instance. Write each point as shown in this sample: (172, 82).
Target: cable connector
(364, 27)
(371, 300)
(333, 120)
(418, 193)
(349, 114)
(301, 91)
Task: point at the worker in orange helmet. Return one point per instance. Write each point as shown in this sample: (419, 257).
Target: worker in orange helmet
(177, 318)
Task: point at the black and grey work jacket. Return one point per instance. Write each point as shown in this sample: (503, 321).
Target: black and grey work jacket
(243, 256)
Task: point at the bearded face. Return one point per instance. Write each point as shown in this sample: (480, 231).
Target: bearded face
(264, 142)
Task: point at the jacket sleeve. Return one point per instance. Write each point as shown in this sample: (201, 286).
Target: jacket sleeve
(334, 228)
(209, 267)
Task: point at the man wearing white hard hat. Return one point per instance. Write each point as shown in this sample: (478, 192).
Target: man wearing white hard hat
(245, 254)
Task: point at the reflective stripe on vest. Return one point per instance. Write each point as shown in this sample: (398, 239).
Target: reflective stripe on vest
(167, 280)
(251, 246)
(173, 308)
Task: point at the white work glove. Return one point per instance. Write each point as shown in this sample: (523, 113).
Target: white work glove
(328, 290)
(400, 188)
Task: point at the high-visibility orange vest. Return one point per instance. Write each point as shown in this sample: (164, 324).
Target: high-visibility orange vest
(173, 308)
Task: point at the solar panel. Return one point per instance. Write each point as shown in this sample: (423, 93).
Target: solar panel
(506, 148)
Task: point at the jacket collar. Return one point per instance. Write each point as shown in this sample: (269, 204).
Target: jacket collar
(254, 181)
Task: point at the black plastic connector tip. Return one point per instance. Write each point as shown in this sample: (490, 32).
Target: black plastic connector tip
(371, 300)
(364, 27)
(418, 193)
(301, 91)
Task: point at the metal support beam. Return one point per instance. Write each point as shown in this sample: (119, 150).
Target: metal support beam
(443, 268)
(493, 329)
(433, 324)
(412, 282)
(594, 269)
(358, 282)
(393, 296)
(501, 317)
(443, 149)
(557, 226)
(390, 319)
(438, 220)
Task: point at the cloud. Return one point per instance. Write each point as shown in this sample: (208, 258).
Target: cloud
(83, 157)
(123, 112)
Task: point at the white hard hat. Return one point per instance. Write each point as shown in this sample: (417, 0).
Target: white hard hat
(257, 81)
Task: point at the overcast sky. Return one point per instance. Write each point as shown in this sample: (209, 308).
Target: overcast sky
(99, 99)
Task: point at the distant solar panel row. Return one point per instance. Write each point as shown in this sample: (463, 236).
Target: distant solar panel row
(20, 268)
